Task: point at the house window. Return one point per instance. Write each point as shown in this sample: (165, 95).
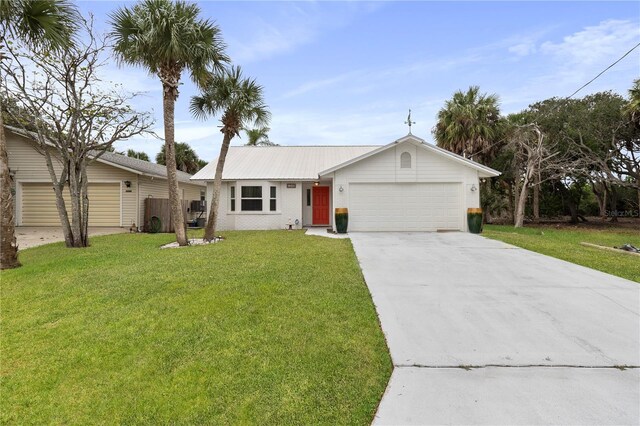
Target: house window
(202, 195)
(251, 199)
(272, 198)
(232, 197)
(308, 198)
(405, 160)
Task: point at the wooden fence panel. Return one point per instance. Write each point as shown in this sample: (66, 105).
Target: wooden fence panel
(161, 208)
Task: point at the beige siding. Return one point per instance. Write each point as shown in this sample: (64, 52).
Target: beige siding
(38, 203)
(30, 165)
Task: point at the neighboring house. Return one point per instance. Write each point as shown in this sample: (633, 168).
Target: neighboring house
(407, 185)
(118, 186)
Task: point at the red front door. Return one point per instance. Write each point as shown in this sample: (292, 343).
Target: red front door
(320, 205)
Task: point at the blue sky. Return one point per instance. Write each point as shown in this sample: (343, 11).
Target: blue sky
(347, 72)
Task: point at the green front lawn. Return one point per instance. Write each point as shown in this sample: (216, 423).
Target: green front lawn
(265, 327)
(564, 243)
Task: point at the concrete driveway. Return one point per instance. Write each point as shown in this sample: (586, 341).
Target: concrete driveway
(481, 332)
(32, 236)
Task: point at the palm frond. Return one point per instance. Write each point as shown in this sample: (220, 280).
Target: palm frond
(160, 33)
(240, 101)
(41, 23)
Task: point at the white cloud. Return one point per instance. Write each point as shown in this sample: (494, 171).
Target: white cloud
(378, 125)
(131, 79)
(367, 80)
(314, 85)
(296, 25)
(523, 49)
(268, 40)
(605, 41)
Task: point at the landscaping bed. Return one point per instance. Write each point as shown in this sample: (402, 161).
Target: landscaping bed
(565, 243)
(268, 327)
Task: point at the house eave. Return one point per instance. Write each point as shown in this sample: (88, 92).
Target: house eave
(483, 171)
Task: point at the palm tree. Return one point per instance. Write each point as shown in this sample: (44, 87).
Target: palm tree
(240, 100)
(633, 107)
(258, 136)
(167, 38)
(469, 124)
(38, 24)
(140, 155)
(186, 158)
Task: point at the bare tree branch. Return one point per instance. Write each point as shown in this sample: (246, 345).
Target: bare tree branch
(72, 114)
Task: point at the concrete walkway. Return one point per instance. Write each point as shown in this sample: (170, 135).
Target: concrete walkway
(481, 332)
(321, 231)
(32, 236)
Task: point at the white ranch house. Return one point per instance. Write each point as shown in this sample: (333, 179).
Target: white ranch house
(407, 185)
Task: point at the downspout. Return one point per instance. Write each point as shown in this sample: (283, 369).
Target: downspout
(139, 223)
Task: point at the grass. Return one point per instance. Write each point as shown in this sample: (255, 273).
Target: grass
(564, 243)
(263, 328)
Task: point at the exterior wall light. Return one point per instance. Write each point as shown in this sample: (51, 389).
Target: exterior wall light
(473, 187)
(341, 189)
(127, 183)
(316, 183)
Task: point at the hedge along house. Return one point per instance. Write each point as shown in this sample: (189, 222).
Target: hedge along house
(407, 185)
(118, 186)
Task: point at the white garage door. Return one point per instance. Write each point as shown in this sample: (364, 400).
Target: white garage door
(39, 204)
(405, 206)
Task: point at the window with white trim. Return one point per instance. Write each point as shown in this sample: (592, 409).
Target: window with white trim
(232, 198)
(251, 199)
(405, 160)
(273, 192)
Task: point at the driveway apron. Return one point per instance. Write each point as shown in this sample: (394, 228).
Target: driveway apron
(481, 332)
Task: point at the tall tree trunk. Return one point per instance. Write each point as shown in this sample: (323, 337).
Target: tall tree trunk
(8, 243)
(522, 201)
(512, 210)
(210, 229)
(75, 198)
(488, 190)
(573, 209)
(177, 218)
(613, 204)
(600, 191)
(536, 198)
(85, 206)
(572, 204)
(516, 192)
(58, 189)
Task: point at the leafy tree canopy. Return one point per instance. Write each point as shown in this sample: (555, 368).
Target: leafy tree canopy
(140, 155)
(469, 124)
(186, 159)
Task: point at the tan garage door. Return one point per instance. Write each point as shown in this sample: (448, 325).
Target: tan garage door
(39, 204)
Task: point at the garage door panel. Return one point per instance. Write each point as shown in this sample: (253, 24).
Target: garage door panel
(38, 204)
(405, 206)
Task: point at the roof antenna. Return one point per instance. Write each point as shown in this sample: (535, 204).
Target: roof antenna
(409, 122)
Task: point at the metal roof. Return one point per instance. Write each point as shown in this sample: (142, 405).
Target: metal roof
(281, 162)
(310, 162)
